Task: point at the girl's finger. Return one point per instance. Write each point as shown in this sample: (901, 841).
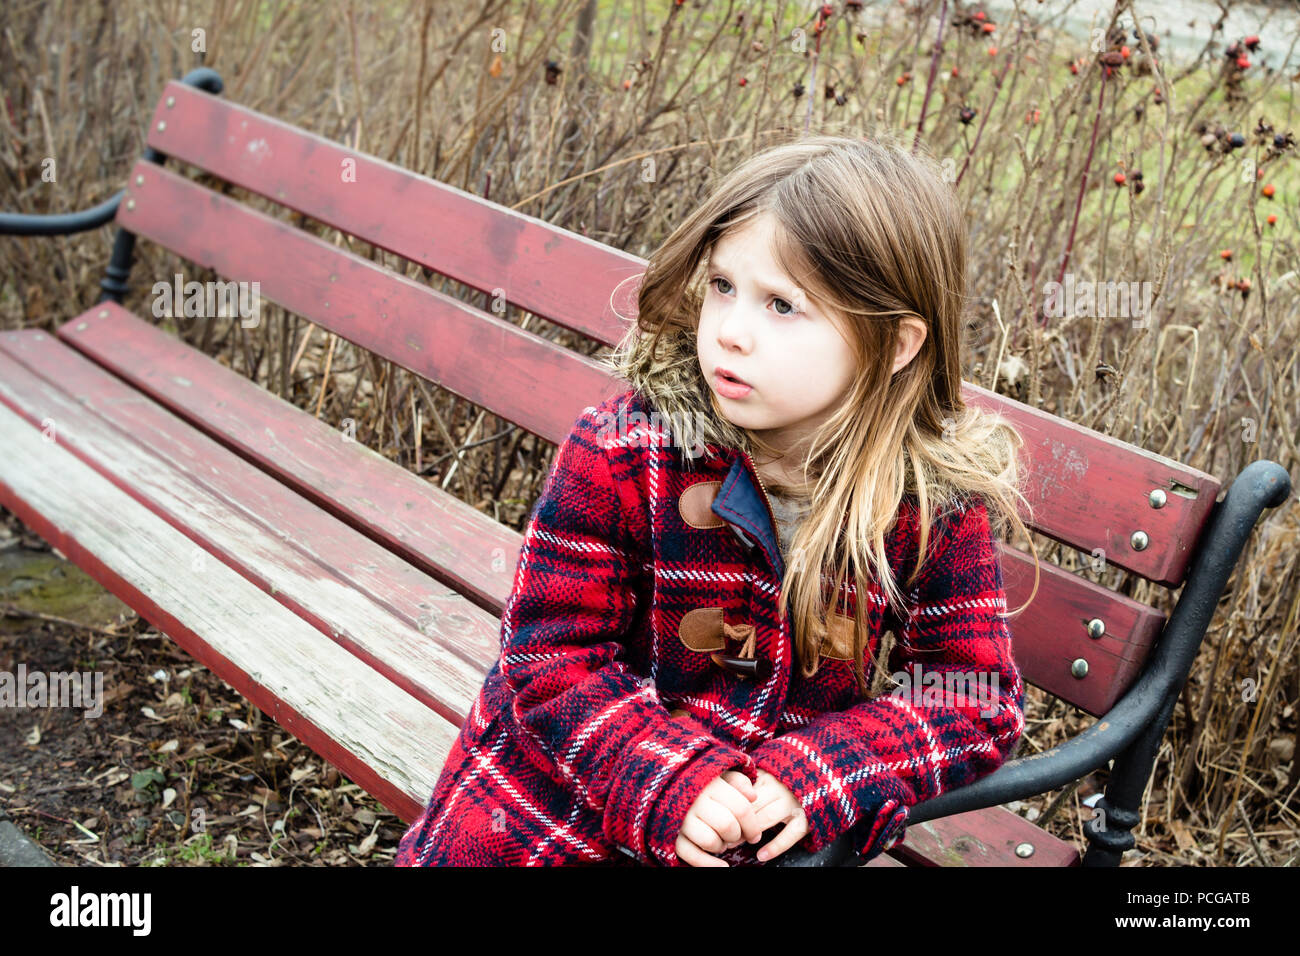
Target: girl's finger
(761, 818)
(741, 783)
(704, 834)
(721, 819)
(790, 834)
(689, 852)
(740, 805)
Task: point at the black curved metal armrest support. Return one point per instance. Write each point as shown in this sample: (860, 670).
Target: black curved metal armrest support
(66, 223)
(59, 224)
(1261, 484)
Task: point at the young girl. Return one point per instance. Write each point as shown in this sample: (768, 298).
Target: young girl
(674, 682)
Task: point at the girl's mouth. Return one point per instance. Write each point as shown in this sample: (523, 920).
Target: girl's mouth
(730, 387)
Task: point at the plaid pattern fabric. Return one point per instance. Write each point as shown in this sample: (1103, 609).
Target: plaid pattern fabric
(954, 720)
(570, 755)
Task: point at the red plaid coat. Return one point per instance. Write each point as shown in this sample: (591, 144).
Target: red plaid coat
(635, 570)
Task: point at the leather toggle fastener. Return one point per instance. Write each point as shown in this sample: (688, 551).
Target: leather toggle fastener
(746, 663)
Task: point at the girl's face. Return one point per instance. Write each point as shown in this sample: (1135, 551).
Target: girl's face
(757, 325)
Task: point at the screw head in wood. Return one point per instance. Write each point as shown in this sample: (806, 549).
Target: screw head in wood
(1079, 667)
(1157, 498)
(1139, 540)
(1096, 628)
(1024, 850)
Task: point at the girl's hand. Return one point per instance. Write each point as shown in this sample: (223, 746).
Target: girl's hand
(775, 804)
(712, 824)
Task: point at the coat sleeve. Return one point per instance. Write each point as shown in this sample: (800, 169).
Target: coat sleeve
(862, 768)
(594, 725)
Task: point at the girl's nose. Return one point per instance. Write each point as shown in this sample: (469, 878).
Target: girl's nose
(733, 332)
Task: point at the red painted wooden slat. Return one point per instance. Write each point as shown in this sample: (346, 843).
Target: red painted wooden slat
(1091, 491)
(1051, 632)
(986, 837)
(426, 526)
(432, 643)
(558, 274)
(512, 372)
(885, 860)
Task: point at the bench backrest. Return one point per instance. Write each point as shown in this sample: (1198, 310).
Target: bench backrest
(1109, 500)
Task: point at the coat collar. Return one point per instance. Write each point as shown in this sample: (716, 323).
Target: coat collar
(693, 431)
(743, 503)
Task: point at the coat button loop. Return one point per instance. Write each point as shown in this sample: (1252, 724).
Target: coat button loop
(746, 663)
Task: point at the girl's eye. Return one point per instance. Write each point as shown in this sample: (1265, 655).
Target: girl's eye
(716, 279)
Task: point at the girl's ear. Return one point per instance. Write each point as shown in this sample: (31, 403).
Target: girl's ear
(912, 331)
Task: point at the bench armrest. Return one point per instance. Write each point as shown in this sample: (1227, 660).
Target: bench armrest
(59, 224)
(1261, 484)
(66, 223)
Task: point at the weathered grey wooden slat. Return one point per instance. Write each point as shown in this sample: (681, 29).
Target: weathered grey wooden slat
(379, 735)
(399, 619)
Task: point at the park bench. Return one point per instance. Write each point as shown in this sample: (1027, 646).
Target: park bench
(358, 605)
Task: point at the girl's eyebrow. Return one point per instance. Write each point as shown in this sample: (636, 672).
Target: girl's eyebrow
(777, 288)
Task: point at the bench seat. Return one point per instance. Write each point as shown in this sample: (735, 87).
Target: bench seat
(245, 491)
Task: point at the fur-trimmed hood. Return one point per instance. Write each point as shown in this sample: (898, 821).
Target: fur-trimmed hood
(670, 381)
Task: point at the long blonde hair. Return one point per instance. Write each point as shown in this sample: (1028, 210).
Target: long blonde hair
(873, 233)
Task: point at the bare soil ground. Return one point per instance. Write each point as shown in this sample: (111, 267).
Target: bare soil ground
(178, 770)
